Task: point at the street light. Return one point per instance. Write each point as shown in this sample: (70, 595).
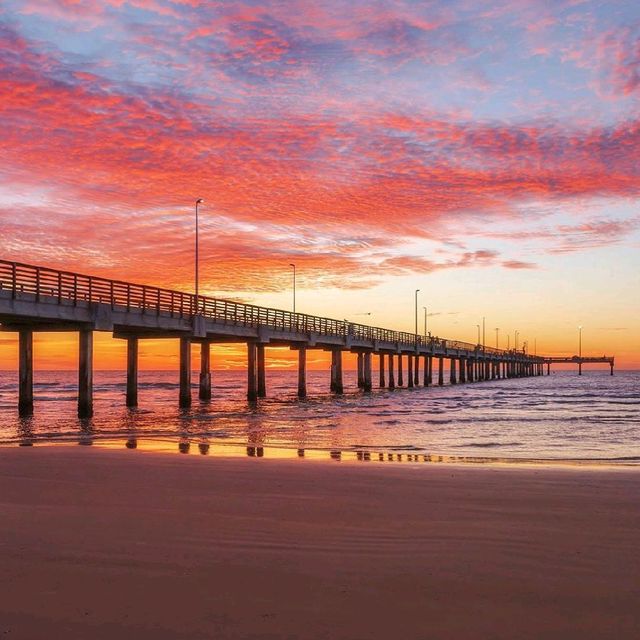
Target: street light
(497, 332)
(199, 201)
(478, 328)
(294, 285)
(483, 335)
(417, 292)
(580, 341)
(425, 321)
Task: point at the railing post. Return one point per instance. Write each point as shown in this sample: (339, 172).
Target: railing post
(37, 284)
(14, 280)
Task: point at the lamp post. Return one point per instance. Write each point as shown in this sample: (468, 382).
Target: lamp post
(425, 321)
(199, 201)
(478, 328)
(497, 332)
(483, 335)
(416, 332)
(294, 285)
(580, 350)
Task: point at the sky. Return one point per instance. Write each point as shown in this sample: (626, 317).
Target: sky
(486, 153)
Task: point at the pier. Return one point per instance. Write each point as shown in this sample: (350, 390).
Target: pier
(579, 360)
(34, 298)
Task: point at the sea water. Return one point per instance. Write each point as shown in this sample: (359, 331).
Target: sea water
(562, 417)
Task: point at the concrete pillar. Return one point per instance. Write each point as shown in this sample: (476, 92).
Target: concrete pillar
(611, 365)
(430, 372)
(252, 374)
(416, 370)
(440, 370)
(381, 370)
(470, 370)
(25, 373)
(262, 378)
(132, 372)
(549, 368)
(204, 386)
(487, 366)
(392, 382)
(185, 373)
(85, 374)
(425, 367)
(400, 373)
(336, 371)
(463, 370)
(367, 371)
(410, 371)
(302, 372)
(452, 371)
(360, 368)
(579, 368)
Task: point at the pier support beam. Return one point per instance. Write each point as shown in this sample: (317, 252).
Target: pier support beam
(392, 382)
(452, 371)
(85, 374)
(25, 373)
(381, 370)
(302, 372)
(427, 374)
(336, 371)
(549, 368)
(579, 368)
(440, 371)
(410, 371)
(252, 373)
(400, 373)
(416, 370)
(204, 390)
(463, 370)
(262, 381)
(185, 373)
(132, 372)
(366, 366)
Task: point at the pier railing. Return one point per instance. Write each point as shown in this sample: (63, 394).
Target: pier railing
(66, 287)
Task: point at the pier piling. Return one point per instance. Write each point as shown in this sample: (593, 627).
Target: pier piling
(25, 373)
(132, 372)
(85, 374)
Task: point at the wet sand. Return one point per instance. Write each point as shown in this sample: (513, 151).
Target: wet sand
(126, 544)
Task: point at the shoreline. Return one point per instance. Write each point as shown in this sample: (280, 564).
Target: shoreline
(101, 543)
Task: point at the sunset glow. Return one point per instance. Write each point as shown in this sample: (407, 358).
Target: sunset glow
(486, 153)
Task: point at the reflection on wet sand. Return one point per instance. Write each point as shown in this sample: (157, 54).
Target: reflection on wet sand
(253, 450)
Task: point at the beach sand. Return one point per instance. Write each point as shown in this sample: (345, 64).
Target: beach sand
(100, 543)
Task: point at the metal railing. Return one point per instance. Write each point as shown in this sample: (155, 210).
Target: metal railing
(65, 287)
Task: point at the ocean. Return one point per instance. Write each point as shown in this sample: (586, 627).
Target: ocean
(558, 418)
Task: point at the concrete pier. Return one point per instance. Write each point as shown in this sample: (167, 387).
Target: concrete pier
(381, 370)
(410, 371)
(185, 373)
(440, 371)
(85, 374)
(366, 365)
(360, 369)
(463, 370)
(25, 373)
(416, 370)
(302, 372)
(204, 387)
(261, 373)
(132, 372)
(429, 372)
(336, 385)
(400, 371)
(392, 382)
(252, 372)
(452, 371)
